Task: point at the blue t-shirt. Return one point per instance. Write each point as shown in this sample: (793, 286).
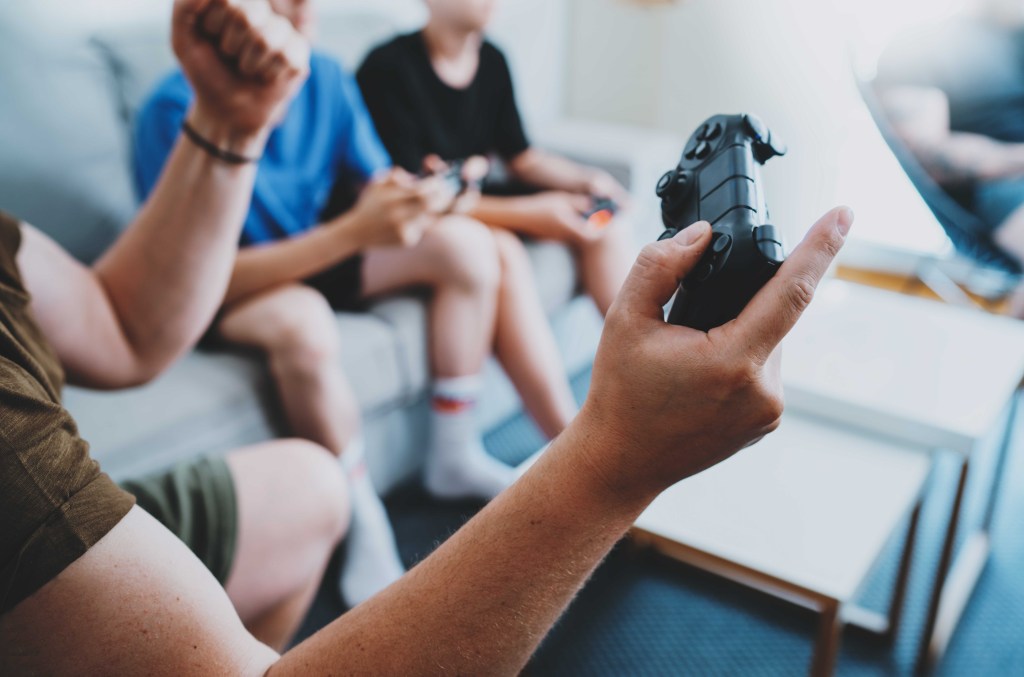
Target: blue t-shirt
(326, 136)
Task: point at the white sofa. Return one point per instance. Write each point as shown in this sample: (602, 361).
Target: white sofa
(70, 78)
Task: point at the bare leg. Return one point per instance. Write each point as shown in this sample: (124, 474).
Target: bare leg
(605, 263)
(1010, 237)
(292, 512)
(524, 343)
(295, 327)
(457, 259)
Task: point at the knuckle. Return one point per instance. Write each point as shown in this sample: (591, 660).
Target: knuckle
(800, 292)
(831, 244)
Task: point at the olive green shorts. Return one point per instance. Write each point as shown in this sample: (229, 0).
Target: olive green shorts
(196, 501)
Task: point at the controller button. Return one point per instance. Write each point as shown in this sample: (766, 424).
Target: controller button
(721, 243)
(664, 183)
(713, 132)
(702, 133)
(757, 128)
(704, 271)
(702, 150)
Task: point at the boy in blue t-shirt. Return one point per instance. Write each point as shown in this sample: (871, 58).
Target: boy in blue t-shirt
(331, 226)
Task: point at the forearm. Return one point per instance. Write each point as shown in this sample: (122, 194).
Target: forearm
(550, 171)
(484, 600)
(964, 158)
(513, 213)
(263, 267)
(166, 276)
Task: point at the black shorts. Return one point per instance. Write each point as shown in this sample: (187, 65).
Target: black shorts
(342, 285)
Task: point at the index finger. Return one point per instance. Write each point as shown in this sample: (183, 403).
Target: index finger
(771, 314)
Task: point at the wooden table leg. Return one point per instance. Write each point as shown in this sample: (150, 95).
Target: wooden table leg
(826, 647)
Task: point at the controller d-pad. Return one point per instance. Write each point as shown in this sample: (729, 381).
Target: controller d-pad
(702, 150)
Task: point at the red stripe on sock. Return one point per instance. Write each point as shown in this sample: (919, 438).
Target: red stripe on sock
(450, 405)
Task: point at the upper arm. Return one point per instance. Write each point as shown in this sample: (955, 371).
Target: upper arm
(137, 602)
(510, 135)
(382, 89)
(362, 152)
(72, 308)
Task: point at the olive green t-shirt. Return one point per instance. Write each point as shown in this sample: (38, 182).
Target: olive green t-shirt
(55, 503)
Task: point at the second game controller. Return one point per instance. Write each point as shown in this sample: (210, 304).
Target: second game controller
(601, 212)
(718, 180)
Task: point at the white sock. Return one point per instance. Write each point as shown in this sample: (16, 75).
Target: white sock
(372, 562)
(458, 466)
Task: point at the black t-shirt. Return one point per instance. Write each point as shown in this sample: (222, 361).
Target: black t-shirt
(417, 114)
(979, 65)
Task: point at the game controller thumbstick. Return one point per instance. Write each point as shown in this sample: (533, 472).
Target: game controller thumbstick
(718, 180)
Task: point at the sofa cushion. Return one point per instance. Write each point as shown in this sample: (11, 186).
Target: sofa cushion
(63, 160)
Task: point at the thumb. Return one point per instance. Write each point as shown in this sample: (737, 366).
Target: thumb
(655, 275)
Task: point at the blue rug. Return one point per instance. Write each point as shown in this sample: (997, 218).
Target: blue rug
(642, 614)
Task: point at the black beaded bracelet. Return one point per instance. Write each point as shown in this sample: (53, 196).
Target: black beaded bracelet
(219, 153)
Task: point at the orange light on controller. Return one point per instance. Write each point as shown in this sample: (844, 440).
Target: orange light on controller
(601, 218)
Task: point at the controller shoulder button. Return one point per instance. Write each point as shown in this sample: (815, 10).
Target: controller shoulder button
(756, 126)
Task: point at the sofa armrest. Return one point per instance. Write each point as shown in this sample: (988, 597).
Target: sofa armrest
(635, 156)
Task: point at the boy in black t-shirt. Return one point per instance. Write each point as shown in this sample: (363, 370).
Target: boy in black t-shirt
(445, 92)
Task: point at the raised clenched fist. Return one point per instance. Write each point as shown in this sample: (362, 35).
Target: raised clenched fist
(244, 62)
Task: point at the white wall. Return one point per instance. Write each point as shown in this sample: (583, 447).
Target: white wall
(787, 60)
(532, 32)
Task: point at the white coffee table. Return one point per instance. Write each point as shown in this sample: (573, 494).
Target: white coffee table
(923, 373)
(803, 515)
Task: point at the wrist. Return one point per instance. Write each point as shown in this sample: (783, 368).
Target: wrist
(597, 450)
(225, 136)
(347, 231)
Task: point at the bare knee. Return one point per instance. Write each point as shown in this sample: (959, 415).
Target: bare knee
(304, 332)
(512, 253)
(465, 254)
(325, 503)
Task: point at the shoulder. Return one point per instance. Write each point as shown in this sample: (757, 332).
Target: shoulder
(391, 55)
(491, 57)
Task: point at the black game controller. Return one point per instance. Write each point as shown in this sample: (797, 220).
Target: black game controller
(455, 180)
(719, 180)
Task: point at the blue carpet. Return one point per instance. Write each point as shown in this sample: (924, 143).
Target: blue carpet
(645, 615)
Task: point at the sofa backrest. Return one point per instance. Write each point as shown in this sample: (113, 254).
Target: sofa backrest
(72, 75)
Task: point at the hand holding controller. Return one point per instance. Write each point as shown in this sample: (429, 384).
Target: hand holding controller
(718, 180)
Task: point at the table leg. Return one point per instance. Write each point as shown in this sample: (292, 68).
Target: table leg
(954, 585)
(826, 647)
(924, 654)
(899, 593)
